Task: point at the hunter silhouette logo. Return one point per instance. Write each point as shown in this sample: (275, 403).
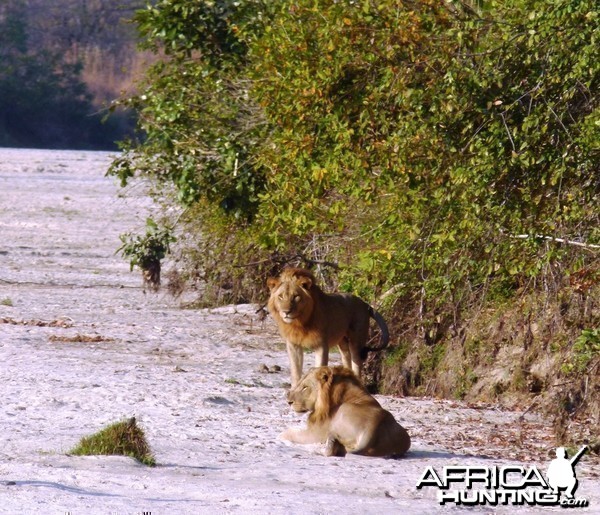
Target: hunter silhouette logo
(511, 484)
(561, 472)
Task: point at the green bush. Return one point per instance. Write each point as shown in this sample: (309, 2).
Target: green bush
(147, 251)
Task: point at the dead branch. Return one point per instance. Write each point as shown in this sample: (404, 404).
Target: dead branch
(555, 239)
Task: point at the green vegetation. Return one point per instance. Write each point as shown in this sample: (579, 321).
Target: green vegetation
(586, 351)
(144, 250)
(147, 251)
(439, 157)
(122, 438)
(427, 147)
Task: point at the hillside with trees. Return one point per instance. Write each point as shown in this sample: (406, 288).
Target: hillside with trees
(62, 64)
(440, 159)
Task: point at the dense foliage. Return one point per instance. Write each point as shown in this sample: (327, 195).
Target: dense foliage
(427, 155)
(394, 138)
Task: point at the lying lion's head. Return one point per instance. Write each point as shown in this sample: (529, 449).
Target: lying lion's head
(323, 388)
(303, 397)
(291, 298)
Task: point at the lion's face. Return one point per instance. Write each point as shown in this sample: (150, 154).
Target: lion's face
(291, 299)
(303, 397)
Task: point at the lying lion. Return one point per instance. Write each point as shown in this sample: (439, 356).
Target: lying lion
(344, 416)
(308, 318)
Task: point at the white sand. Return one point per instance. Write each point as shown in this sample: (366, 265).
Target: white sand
(191, 378)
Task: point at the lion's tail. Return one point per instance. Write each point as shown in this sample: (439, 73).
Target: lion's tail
(385, 333)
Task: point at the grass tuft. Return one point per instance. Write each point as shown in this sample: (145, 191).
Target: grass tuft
(124, 438)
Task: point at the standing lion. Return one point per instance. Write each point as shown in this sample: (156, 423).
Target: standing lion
(308, 318)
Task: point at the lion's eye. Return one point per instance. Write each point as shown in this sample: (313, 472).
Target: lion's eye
(280, 297)
(305, 388)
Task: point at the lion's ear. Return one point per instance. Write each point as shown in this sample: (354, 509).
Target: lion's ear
(273, 283)
(325, 375)
(305, 282)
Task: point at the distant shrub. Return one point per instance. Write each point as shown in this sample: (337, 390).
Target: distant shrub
(147, 251)
(44, 99)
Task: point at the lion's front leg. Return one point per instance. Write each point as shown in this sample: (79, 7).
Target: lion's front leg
(296, 357)
(301, 436)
